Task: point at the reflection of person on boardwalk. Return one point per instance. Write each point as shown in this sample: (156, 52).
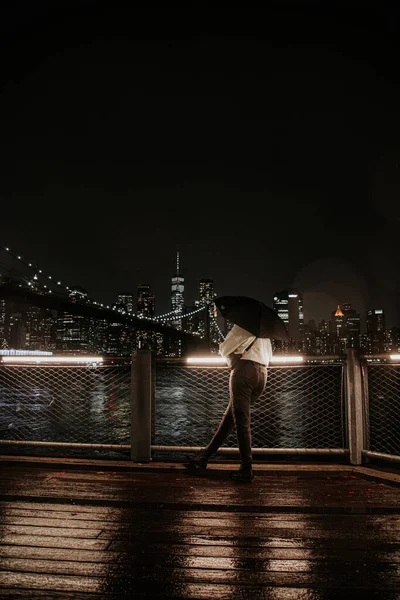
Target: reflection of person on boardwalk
(249, 357)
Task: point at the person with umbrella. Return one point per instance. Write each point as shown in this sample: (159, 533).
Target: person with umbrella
(248, 351)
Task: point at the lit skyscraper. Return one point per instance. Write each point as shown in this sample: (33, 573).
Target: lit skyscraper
(375, 331)
(145, 302)
(99, 335)
(33, 322)
(375, 320)
(145, 309)
(73, 330)
(338, 322)
(337, 331)
(40, 328)
(126, 300)
(352, 325)
(17, 331)
(207, 323)
(177, 294)
(194, 323)
(206, 292)
(3, 337)
(289, 306)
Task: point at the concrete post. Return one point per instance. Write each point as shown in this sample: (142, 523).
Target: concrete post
(355, 406)
(153, 398)
(141, 398)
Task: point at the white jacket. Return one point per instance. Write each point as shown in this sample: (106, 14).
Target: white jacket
(238, 339)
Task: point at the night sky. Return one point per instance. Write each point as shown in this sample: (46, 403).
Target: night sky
(264, 146)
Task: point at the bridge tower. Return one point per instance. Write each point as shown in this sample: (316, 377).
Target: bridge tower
(177, 294)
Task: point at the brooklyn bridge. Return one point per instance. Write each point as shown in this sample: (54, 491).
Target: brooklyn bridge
(38, 311)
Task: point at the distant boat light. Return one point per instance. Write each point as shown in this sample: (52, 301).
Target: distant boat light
(52, 359)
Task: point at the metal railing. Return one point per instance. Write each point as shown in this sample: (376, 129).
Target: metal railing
(302, 408)
(339, 407)
(382, 410)
(65, 406)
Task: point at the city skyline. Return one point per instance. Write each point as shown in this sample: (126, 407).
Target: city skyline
(31, 326)
(267, 155)
(129, 299)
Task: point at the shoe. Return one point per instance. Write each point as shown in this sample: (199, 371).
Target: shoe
(243, 476)
(197, 463)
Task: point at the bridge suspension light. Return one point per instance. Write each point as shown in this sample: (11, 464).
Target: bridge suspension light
(217, 326)
(38, 271)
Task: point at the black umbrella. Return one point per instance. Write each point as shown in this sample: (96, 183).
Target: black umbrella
(252, 315)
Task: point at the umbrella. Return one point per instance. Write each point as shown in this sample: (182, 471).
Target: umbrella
(252, 315)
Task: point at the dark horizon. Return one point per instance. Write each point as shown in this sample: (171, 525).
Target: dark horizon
(264, 147)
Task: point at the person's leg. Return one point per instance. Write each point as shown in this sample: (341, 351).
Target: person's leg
(219, 437)
(221, 434)
(248, 385)
(261, 382)
(242, 388)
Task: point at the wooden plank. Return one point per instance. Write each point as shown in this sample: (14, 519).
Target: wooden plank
(195, 591)
(271, 542)
(151, 522)
(60, 554)
(164, 535)
(194, 566)
(181, 480)
(15, 594)
(65, 523)
(103, 476)
(61, 507)
(53, 542)
(50, 531)
(31, 581)
(350, 555)
(113, 465)
(57, 567)
(171, 490)
(125, 515)
(358, 505)
(256, 534)
(137, 577)
(377, 475)
(214, 476)
(221, 497)
(195, 483)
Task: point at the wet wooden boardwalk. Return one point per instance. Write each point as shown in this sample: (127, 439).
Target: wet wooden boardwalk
(74, 533)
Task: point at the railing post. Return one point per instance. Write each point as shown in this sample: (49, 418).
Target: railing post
(355, 406)
(141, 399)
